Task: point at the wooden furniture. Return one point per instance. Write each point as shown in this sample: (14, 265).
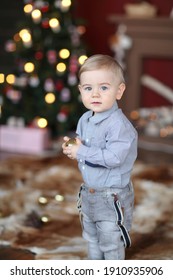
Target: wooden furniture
(151, 38)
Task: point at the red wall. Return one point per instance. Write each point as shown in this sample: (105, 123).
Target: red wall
(98, 31)
(98, 28)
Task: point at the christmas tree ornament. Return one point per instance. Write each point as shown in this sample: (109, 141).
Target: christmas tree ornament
(45, 23)
(52, 56)
(71, 142)
(62, 117)
(10, 46)
(49, 85)
(74, 35)
(39, 4)
(45, 7)
(39, 55)
(21, 81)
(59, 85)
(34, 81)
(14, 95)
(65, 95)
(81, 29)
(73, 64)
(72, 79)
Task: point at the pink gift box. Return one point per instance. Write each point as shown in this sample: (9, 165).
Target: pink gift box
(24, 140)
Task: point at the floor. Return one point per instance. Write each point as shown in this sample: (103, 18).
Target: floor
(23, 237)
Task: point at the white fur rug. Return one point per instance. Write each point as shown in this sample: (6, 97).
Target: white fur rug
(39, 218)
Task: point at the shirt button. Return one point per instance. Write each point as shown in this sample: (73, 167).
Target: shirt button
(87, 140)
(83, 167)
(80, 160)
(92, 190)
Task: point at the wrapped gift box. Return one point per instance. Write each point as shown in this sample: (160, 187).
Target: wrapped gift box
(23, 139)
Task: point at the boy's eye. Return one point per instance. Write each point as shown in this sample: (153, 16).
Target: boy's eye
(88, 88)
(104, 88)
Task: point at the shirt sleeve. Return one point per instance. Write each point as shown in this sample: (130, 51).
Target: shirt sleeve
(119, 144)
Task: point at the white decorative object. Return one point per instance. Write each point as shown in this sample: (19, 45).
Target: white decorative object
(140, 10)
(158, 86)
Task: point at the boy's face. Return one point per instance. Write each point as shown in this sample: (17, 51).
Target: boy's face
(100, 89)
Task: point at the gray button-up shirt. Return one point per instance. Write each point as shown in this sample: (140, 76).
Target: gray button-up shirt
(108, 150)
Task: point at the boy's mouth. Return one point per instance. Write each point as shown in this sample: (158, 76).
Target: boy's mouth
(96, 103)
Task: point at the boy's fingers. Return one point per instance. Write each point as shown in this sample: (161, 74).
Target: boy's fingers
(66, 138)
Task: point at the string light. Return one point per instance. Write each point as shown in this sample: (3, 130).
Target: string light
(50, 98)
(42, 122)
(29, 67)
(2, 78)
(65, 5)
(23, 33)
(42, 200)
(54, 24)
(64, 53)
(134, 115)
(61, 67)
(28, 8)
(26, 37)
(10, 79)
(45, 219)
(82, 59)
(59, 197)
(36, 15)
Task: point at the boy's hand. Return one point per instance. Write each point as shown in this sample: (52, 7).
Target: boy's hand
(71, 150)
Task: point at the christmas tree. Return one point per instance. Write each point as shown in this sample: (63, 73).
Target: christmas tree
(42, 89)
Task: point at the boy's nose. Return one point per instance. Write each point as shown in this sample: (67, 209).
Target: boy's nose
(95, 92)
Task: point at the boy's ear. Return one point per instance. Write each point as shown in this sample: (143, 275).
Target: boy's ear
(121, 89)
(79, 87)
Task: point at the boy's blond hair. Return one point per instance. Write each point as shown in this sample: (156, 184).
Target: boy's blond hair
(100, 61)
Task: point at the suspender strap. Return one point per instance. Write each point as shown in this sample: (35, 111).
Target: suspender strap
(79, 204)
(120, 221)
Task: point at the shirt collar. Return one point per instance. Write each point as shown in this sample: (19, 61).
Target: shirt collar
(103, 115)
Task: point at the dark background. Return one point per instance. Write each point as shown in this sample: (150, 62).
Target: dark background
(98, 30)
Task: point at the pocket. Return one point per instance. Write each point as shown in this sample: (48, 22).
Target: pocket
(108, 199)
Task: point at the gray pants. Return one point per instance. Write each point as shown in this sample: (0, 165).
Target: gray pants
(100, 221)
